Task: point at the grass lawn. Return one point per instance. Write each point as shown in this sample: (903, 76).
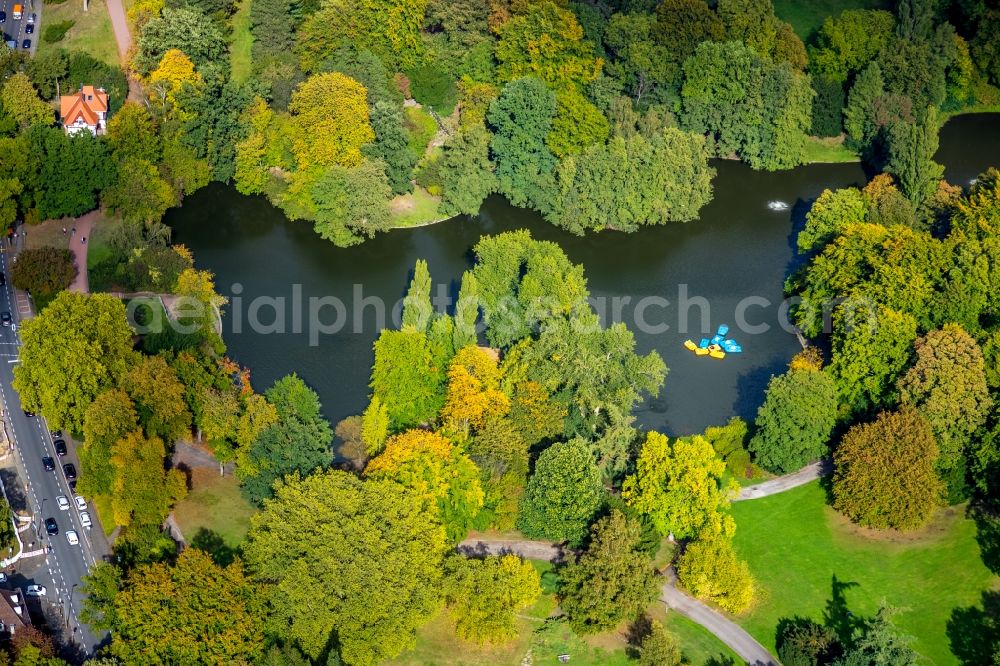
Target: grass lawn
(414, 209)
(422, 127)
(698, 645)
(97, 244)
(828, 150)
(240, 57)
(102, 506)
(91, 33)
(214, 503)
(796, 545)
(48, 234)
(806, 16)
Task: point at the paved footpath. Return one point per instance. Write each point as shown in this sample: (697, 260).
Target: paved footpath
(83, 225)
(727, 631)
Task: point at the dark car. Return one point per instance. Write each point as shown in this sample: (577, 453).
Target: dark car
(5, 318)
(29, 29)
(26, 44)
(57, 434)
(69, 471)
(72, 485)
(60, 447)
(3, 17)
(30, 415)
(3, 278)
(51, 528)
(49, 463)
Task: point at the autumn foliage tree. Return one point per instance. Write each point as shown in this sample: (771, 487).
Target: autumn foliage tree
(330, 121)
(433, 469)
(143, 491)
(473, 395)
(190, 612)
(486, 594)
(884, 476)
(43, 271)
(710, 569)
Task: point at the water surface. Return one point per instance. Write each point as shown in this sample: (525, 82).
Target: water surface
(739, 249)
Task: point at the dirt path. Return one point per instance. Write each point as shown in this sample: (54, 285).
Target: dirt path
(83, 225)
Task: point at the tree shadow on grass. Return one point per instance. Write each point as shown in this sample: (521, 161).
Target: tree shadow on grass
(213, 544)
(987, 536)
(974, 632)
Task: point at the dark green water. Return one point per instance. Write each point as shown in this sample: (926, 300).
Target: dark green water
(738, 250)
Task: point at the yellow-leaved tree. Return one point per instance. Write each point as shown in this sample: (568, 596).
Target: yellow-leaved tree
(473, 394)
(175, 69)
(330, 121)
(434, 469)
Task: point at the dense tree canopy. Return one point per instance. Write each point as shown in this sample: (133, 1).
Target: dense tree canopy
(485, 595)
(373, 546)
(73, 350)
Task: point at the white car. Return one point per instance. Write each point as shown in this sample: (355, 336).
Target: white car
(35, 591)
(63, 503)
(85, 519)
(72, 537)
(81, 503)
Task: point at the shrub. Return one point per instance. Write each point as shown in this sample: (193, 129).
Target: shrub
(432, 86)
(43, 271)
(54, 32)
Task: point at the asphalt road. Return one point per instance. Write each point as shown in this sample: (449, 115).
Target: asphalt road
(65, 565)
(16, 28)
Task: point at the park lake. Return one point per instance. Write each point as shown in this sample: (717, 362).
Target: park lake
(735, 257)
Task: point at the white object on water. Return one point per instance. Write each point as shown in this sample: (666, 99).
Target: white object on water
(777, 205)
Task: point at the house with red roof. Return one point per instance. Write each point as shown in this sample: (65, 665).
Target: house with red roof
(85, 110)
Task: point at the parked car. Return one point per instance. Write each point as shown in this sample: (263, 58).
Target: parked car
(35, 591)
(51, 526)
(63, 503)
(57, 434)
(31, 19)
(85, 519)
(3, 577)
(26, 44)
(60, 447)
(69, 471)
(5, 318)
(81, 503)
(28, 413)
(3, 276)
(72, 537)
(72, 485)
(29, 29)
(3, 17)
(49, 463)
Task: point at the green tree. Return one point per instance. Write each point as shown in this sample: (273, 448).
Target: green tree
(139, 193)
(73, 350)
(680, 487)
(417, 308)
(388, 28)
(710, 569)
(576, 125)
(405, 378)
(372, 545)
(806, 643)
(430, 467)
(846, 43)
(681, 25)
(613, 580)
(911, 157)
(143, 490)
(646, 67)
(109, 418)
(659, 647)
(860, 115)
(884, 476)
(869, 353)
(46, 70)
(9, 189)
(391, 145)
(132, 133)
(159, 398)
(521, 119)
(629, 183)
(467, 311)
(466, 172)
(375, 426)
(947, 386)
(8, 531)
(192, 612)
(298, 442)
(20, 99)
(500, 452)
(73, 171)
(546, 42)
(182, 28)
(350, 204)
(795, 422)
(43, 271)
(748, 104)
(881, 643)
(832, 211)
(486, 594)
(563, 495)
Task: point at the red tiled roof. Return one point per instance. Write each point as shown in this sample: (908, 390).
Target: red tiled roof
(87, 103)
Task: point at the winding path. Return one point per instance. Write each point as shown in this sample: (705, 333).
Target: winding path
(727, 631)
